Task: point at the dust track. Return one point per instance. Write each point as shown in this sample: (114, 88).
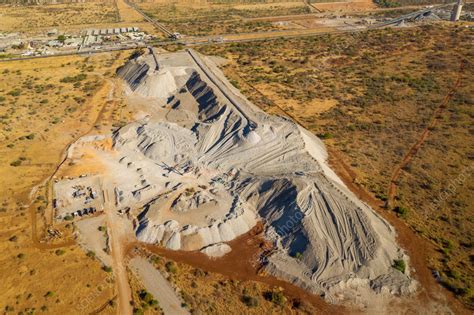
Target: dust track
(392, 190)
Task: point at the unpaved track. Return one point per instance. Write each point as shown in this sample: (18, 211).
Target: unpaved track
(392, 190)
(158, 286)
(117, 238)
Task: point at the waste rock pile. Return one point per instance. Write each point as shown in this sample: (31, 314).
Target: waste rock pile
(204, 165)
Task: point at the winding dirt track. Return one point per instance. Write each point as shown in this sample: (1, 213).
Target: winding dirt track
(392, 190)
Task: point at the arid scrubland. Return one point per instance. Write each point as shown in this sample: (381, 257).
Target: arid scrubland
(45, 104)
(370, 96)
(29, 18)
(211, 18)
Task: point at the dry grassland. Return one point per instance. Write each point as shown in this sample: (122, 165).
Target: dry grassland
(29, 18)
(45, 104)
(370, 96)
(210, 18)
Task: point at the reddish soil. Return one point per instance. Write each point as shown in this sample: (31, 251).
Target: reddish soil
(417, 248)
(242, 263)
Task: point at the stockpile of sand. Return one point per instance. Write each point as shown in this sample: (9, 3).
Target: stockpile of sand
(216, 172)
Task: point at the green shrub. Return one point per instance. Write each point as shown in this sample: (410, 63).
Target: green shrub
(137, 311)
(382, 197)
(16, 163)
(90, 254)
(74, 79)
(402, 212)
(326, 135)
(400, 265)
(15, 92)
(60, 252)
(147, 298)
(107, 268)
(453, 274)
(250, 301)
(171, 267)
(275, 297)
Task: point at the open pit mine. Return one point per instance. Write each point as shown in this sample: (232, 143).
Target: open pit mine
(201, 165)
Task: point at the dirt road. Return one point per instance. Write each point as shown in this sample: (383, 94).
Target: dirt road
(157, 285)
(117, 229)
(392, 190)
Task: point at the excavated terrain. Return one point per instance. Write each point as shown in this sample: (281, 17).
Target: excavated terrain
(201, 165)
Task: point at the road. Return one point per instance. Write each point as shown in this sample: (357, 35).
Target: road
(230, 38)
(117, 229)
(158, 286)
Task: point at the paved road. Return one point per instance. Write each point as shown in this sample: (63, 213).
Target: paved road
(158, 286)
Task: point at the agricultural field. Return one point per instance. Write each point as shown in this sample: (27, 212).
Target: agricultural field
(212, 18)
(30, 18)
(45, 104)
(370, 96)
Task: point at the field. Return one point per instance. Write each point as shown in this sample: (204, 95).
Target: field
(220, 17)
(29, 18)
(370, 96)
(44, 105)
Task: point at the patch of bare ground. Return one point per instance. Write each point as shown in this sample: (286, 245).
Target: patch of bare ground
(386, 85)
